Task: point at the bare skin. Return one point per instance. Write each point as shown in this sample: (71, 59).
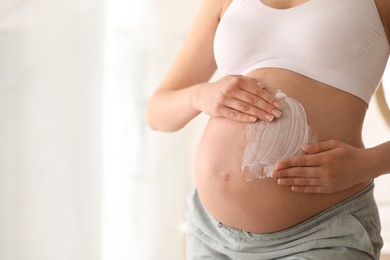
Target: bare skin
(267, 206)
(302, 186)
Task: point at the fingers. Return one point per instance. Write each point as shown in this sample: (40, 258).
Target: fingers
(310, 189)
(236, 115)
(249, 108)
(320, 146)
(261, 102)
(300, 181)
(248, 96)
(257, 89)
(305, 184)
(308, 160)
(297, 172)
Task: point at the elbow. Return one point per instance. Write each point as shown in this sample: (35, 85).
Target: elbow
(150, 121)
(158, 123)
(165, 129)
(155, 126)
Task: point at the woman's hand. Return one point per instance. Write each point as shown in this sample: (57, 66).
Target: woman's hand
(325, 167)
(240, 98)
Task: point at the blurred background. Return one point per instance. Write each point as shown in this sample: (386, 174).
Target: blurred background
(81, 175)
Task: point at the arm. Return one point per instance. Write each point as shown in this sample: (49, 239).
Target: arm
(185, 91)
(192, 66)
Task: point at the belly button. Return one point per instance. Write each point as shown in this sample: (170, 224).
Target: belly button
(226, 177)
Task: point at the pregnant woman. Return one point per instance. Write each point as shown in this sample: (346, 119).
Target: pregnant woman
(281, 169)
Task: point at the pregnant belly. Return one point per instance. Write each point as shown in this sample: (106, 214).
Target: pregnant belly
(259, 205)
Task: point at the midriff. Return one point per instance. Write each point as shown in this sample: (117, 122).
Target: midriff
(263, 206)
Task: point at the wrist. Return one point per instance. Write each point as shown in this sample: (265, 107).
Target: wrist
(371, 159)
(378, 160)
(194, 96)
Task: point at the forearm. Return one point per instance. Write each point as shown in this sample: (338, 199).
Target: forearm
(379, 156)
(170, 110)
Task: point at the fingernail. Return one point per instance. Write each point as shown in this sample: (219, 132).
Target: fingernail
(278, 105)
(252, 118)
(305, 147)
(277, 166)
(276, 113)
(269, 117)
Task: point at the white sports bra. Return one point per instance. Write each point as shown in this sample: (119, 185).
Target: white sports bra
(341, 43)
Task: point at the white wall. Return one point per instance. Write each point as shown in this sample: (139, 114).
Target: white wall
(146, 174)
(50, 134)
(377, 130)
(81, 176)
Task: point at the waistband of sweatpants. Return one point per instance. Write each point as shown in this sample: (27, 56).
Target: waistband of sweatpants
(352, 204)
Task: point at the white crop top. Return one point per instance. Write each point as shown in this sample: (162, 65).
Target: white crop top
(341, 43)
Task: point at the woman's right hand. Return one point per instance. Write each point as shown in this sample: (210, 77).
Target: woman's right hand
(240, 98)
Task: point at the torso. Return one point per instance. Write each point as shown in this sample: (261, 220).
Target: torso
(263, 206)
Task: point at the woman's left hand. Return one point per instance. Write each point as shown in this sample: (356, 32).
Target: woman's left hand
(325, 167)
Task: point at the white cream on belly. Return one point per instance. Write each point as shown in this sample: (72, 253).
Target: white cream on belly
(268, 143)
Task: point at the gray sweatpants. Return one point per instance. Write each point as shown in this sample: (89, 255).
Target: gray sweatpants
(349, 230)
